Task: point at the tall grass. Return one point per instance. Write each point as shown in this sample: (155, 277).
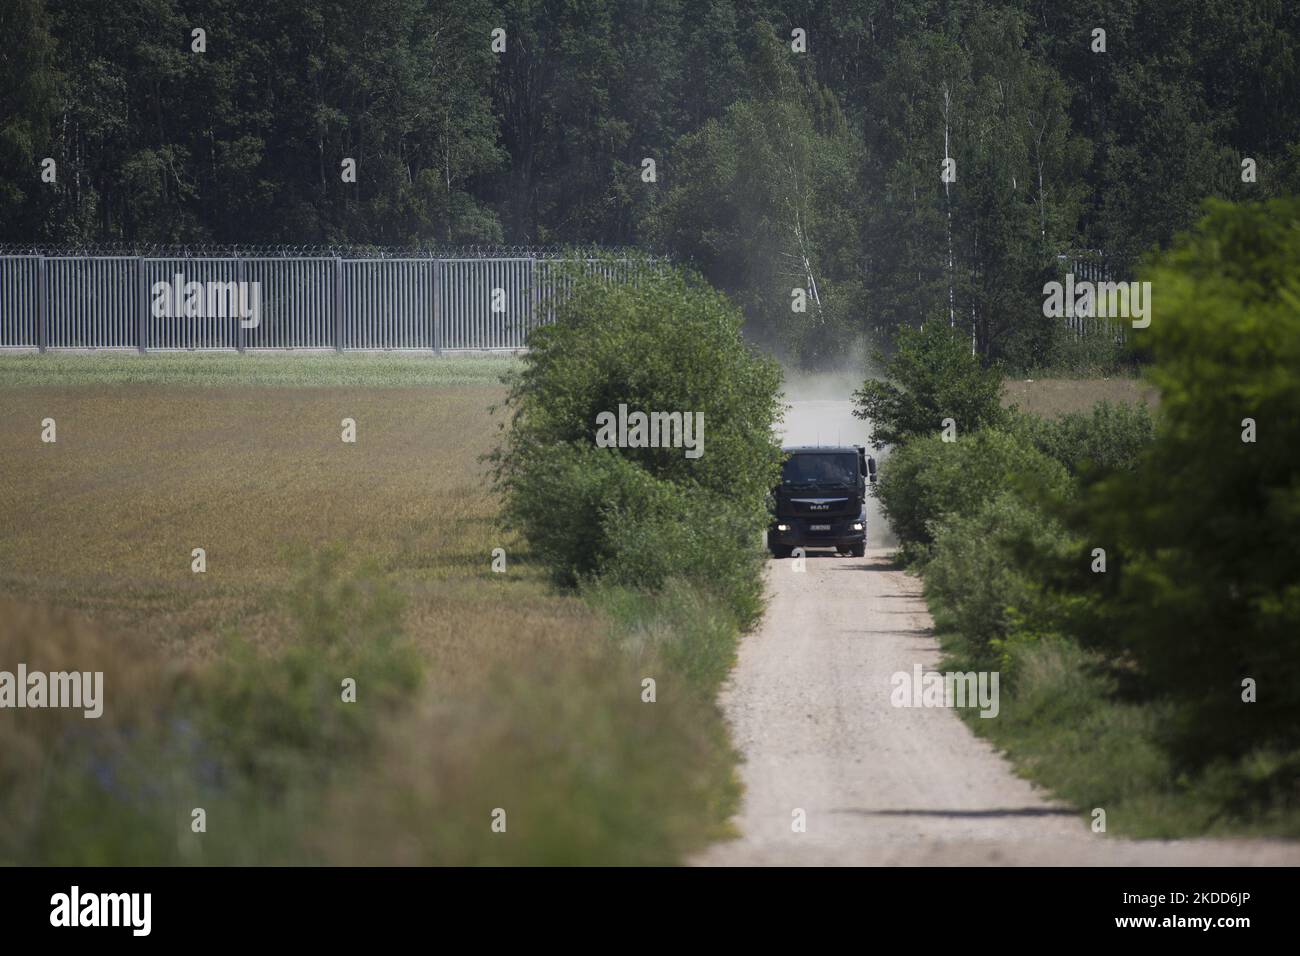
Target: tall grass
(475, 690)
(287, 771)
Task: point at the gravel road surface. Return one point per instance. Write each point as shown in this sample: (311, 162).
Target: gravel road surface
(809, 706)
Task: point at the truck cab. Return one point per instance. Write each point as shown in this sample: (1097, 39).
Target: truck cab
(821, 501)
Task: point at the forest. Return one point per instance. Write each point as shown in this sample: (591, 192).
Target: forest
(839, 167)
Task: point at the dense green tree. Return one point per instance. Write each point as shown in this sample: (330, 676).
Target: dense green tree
(244, 140)
(29, 83)
(1202, 588)
(763, 201)
(931, 378)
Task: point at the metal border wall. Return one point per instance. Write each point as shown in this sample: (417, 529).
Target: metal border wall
(22, 284)
(385, 301)
(1092, 268)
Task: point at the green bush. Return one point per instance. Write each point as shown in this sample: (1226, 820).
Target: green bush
(929, 480)
(643, 515)
(693, 534)
(1203, 587)
(564, 498)
(984, 580)
(1110, 437)
(592, 513)
(993, 554)
(932, 376)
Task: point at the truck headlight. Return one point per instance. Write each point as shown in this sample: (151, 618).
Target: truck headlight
(783, 527)
(857, 526)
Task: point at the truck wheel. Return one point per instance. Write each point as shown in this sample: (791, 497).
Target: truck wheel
(780, 552)
(860, 550)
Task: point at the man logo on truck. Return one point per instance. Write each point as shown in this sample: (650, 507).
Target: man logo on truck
(821, 501)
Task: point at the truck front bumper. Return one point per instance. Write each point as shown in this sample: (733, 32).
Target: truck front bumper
(839, 533)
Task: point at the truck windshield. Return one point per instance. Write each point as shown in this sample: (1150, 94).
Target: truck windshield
(835, 468)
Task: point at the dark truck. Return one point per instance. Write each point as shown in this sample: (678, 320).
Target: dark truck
(821, 501)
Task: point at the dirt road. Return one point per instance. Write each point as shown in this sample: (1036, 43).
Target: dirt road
(809, 705)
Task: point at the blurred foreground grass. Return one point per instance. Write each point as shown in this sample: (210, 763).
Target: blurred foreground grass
(476, 691)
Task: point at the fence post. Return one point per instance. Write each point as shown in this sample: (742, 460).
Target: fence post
(143, 330)
(43, 308)
(531, 322)
(338, 304)
(437, 308)
(241, 275)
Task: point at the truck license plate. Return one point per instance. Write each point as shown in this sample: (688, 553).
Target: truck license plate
(820, 527)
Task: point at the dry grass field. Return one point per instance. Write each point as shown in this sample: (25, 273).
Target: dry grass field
(527, 699)
(1051, 397)
(104, 520)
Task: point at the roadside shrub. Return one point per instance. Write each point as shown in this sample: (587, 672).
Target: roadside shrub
(931, 376)
(643, 515)
(594, 514)
(562, 499)
(985, 582)
(1110, 437)
(929, 480)
(692, 534)
(667, 547)
(1176, 696)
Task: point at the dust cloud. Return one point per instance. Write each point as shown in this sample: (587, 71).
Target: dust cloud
(819, 411)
